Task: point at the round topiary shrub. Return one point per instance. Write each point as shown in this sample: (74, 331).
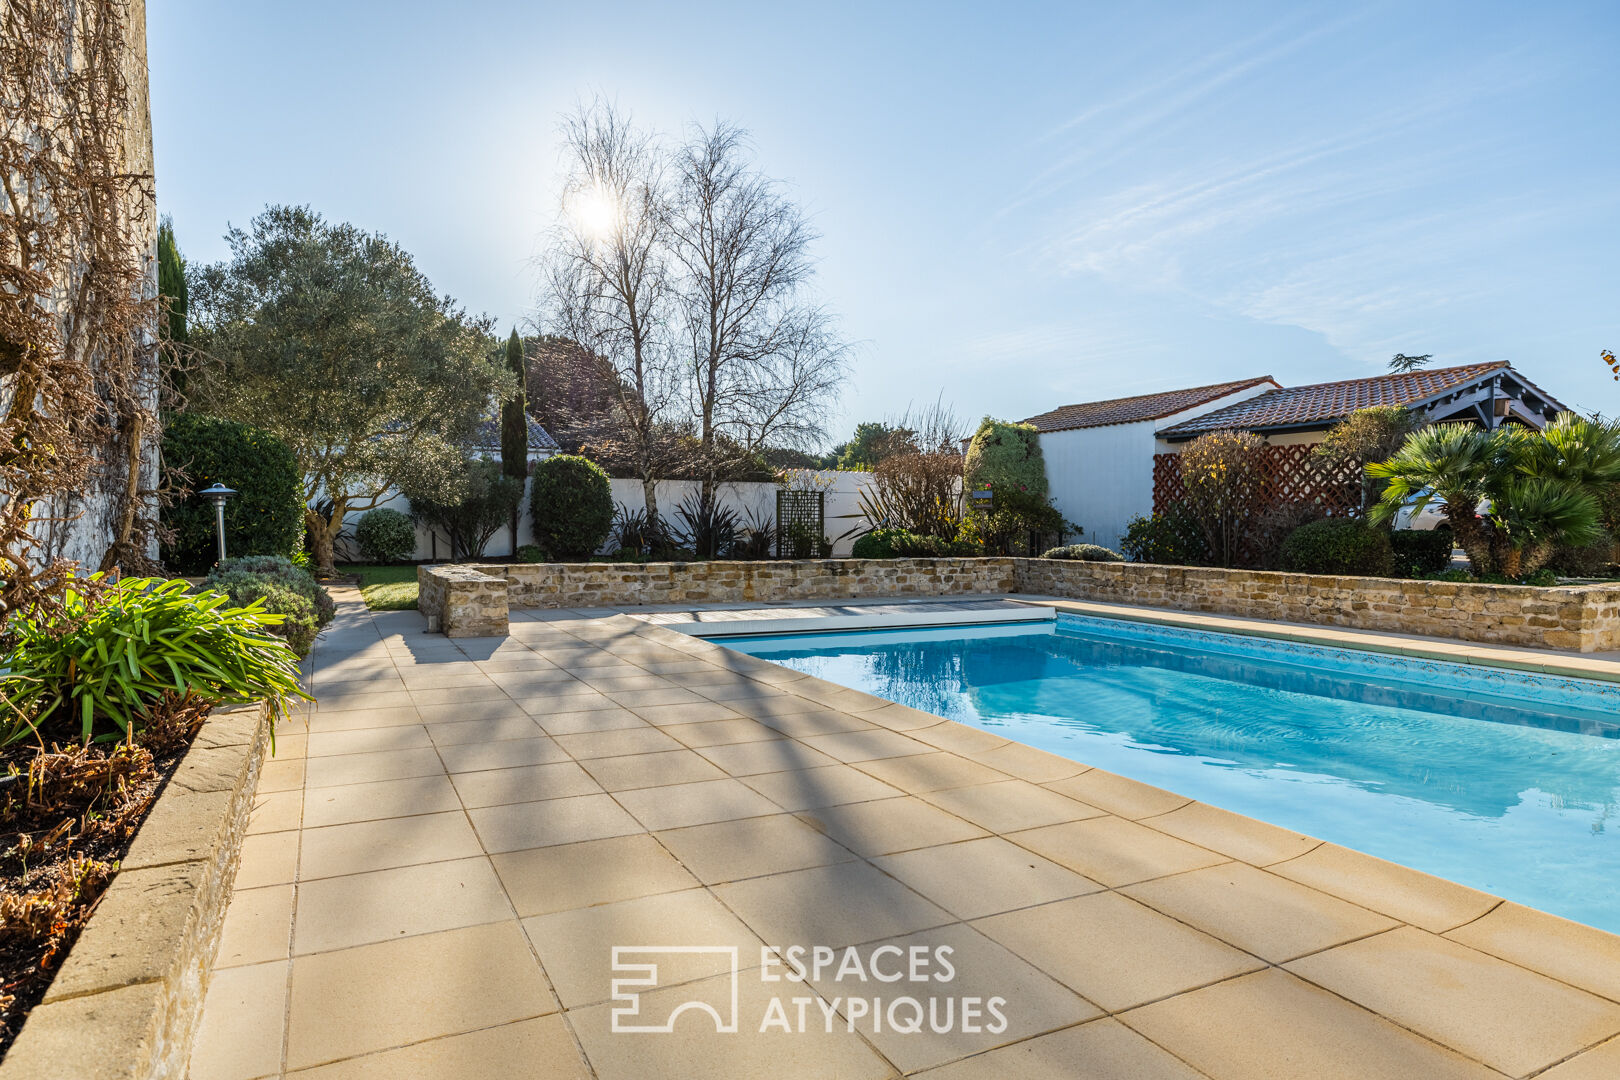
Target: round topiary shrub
(267, 515)
(572, 505)
(233, 576)
(385, 535)
(1338, 546)
(1083, 553)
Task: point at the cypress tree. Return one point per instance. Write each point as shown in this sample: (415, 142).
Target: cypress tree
(514, 421)
(515, 427)
(172, 283)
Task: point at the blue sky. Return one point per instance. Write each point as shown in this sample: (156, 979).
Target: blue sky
(1021, 206)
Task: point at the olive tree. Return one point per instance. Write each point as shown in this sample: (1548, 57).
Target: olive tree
(333, 340)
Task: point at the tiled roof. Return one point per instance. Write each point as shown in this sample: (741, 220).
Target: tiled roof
(1295, 406)
(1133, 409)
(487, 436)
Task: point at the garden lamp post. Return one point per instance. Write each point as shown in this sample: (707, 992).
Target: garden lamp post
(219, 495)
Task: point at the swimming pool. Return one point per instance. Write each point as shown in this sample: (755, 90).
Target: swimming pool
(1505, 781)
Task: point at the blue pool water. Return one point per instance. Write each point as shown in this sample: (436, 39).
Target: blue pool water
(1499, 780)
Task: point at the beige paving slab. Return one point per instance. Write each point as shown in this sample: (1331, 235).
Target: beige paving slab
(1509, 1018)
(334, 701)
(379, 996)
(257, 927)
(1119, 795)
(516, 724)
(695, 1051)
(1568, 951)
(1599, 1063)
(1102, 1049)
(379, 799)
(889, 825)
(855, 746)
(575, 723)
(368, 740)
(982, 877)
(240, 1035)
(1435, 904)
(338, 912)
(507, 754)
(699, 803)
(1115, 951)
(921, 773)
(616, 743)
(281, 775)
(268, 859)
(580, 698)
(515, 826)
(1230, 1031)
(528, 783)
(483, 690)
(692, 712)
(275, 811)
(1115, 851)
(326, 719)
(1270, 916)
(960, 738)
(365, 768)
(980, 971)
(751, 847)
(830, 785)
(722, 732)
(1028, 763)
(1009, 805)
(651, 770)
(1255, 842)
(840, 904)
(576, 946)
(378, 845)
(766, 756)
(544, 880)
(542, 1047)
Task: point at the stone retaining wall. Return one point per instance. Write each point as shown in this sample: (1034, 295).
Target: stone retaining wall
(129, 996)
(1583, 618)
(474, 600)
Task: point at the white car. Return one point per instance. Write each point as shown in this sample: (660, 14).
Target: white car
(1432, 515)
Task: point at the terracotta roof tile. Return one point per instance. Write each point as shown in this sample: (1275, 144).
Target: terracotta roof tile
(1322, 402)
(1133, 409)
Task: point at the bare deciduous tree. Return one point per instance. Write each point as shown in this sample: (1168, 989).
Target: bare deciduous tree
(608, 281)
(762, 358)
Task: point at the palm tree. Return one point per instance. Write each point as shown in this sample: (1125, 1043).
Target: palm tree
(1539, 488)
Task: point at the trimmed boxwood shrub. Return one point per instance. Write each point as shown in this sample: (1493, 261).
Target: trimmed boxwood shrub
(572, 505)
(385, 535)
(877, 544)
(1338, 546)
(242, 574)
(900, 544)
(1170, 538)
(1421, 551)
(1084, 553)
(265, 518)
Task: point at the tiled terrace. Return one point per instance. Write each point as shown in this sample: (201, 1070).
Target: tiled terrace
(443, 856)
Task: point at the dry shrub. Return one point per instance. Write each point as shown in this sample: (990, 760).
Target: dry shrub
(1224, 478)
(918, 492)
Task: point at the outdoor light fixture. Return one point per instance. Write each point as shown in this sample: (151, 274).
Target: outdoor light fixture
(219, 495)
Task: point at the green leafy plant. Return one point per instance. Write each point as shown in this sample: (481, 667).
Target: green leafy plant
(474, 508)
(298, 625)
(1420, 552)
(1511, 496)
(572, 505)
(1084, 553)
(531, 553)
(385, 535)
(235, 574)
(1338, 546)
(107, 656)
(877, 544)
(267, 515)
(1170, 537)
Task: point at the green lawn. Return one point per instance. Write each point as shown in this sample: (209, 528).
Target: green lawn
(386, 588)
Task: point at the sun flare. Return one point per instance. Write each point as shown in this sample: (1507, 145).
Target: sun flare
(595, 212)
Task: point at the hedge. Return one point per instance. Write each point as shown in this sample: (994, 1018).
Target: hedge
(1338, 546)
(267, 515)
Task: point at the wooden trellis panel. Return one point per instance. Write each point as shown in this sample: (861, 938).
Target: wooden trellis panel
(1290, 474)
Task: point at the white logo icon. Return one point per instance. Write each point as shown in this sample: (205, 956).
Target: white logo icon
(643, 976)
